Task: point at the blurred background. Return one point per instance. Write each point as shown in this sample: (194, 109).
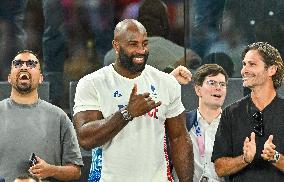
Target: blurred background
(73, 38)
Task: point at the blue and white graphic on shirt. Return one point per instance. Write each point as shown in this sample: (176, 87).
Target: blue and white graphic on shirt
(139, 147)
(153, 91)
(96, 166)
(117, 94)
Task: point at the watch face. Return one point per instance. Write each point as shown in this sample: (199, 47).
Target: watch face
(276, 156)
(125, 115)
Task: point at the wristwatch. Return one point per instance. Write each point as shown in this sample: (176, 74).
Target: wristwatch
(125, 114)
(276, 157)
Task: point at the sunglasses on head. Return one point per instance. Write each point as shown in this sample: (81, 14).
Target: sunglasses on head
(29, 63)
(259, 127)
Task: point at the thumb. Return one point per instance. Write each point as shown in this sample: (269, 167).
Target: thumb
(134, 90)
(38, 159)
(252, 137)
(270, 138)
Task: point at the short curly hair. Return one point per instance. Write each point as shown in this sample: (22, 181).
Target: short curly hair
(271, 56)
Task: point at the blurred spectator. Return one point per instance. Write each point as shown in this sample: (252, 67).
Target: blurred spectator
(271, 30)
(12, 14)
(191, 61)
(206, 26)
(131, 11)
(154, 15)
(120, 8)
(164, 53)
(230, 42)
(12, 34)
(101, 17)
(222, 60)
(260, 20)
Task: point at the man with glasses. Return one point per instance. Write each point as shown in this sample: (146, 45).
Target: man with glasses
(210, 83)
(249, 143)
(14, 36)
(30, 125)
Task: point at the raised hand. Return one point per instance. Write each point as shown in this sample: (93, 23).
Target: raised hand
(140, 104)
(268, 149)
(182, 75)
(249, 148)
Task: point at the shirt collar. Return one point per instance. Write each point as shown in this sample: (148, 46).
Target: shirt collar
(200, 118)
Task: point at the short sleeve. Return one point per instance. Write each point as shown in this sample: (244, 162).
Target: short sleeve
(175, 106)
(70, 147)
(86, 97)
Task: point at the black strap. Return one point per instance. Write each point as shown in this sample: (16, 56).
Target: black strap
(191, 117)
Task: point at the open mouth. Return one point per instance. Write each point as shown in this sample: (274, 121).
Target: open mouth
(138, 60)
(217, 95)
(24, 76)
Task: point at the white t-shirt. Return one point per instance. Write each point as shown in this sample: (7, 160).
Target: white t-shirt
(138, 151)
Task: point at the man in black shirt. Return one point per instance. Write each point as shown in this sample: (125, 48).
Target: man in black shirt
(249, 143)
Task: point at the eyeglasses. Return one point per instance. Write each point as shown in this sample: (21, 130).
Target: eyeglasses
(29, 63)
(259, 127)
(213, 83)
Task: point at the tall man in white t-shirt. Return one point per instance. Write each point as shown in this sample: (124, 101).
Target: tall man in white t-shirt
(122, 110)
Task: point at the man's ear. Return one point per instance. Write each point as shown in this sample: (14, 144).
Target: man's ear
(9, 78)
(272, 70)
(115, 45)
(40, 79)
(197, 90)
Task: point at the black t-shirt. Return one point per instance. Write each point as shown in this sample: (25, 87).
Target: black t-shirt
(236, 124)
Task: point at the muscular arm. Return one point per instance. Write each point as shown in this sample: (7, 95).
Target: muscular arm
(181, 147)
(93, 130)
(226, 166)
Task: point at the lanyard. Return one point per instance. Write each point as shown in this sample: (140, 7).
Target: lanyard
(200, 138)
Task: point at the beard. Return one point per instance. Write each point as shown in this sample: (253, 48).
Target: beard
(23, 87)
(127, 61)
(255, 79)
